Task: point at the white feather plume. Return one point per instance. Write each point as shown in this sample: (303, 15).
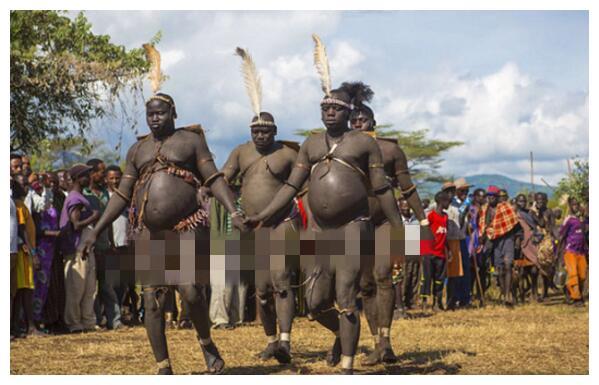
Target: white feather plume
(155, 76)
(251, 80)
(321, 62)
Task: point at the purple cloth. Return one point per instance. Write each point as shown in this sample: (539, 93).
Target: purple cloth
(573, 229)
(70, 237)
(46, 247)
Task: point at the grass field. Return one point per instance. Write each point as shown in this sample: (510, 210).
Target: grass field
(549, 338)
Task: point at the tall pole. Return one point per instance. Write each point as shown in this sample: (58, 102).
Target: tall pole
(532, 179)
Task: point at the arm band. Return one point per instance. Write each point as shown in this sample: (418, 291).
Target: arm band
(407, 192)
(128, 176)
(406, 171)
(202, 161)
(292, 186)
(120, 193)
(381, 189)
(301, 165)
(212, 178)
(376, 165)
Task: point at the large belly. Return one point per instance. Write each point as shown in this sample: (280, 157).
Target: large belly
(337, 197)
(170, 199)
(257, 192)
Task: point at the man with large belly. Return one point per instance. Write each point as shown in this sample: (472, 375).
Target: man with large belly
(263, 165)
(342, 166)
(376, 284)
(163, 174)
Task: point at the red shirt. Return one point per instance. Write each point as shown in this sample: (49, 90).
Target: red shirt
(438, 225)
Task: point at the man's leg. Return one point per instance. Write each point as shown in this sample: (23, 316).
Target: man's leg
(195, 297)
(74, 285)
(88, 316)
(154, 298)
(427, 279)
(438, 267)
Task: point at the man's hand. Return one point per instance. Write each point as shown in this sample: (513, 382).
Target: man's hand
(239, 223)
(253, 222)
(86, 245)
(203, 195)
(426, 233)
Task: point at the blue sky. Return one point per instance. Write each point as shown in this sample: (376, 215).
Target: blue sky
(504, 82)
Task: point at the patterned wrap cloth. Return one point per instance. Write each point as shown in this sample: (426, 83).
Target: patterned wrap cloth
(504, 220)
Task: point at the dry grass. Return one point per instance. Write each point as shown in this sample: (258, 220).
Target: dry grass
(531, 339)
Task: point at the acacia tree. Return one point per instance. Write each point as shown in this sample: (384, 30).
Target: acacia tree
(62, 76)
(423, 153)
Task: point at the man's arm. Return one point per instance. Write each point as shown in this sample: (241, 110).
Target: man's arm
(380, 185)
(231, 166)
(117, 202)
(299, 174)
(408, 188)
(75, 218)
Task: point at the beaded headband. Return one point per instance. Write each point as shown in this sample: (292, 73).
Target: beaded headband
(161, 98)
(261, 122)
(339, 102)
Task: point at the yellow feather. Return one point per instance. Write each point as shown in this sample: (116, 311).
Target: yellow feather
(251, 79)
(155, 76)
(321, 62)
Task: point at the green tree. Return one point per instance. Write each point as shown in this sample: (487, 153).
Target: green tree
(63, 153)
(576, 184)
(423, 153)
(62, 76)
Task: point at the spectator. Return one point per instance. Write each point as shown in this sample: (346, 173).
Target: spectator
(80, 270)
(27, 171)
(27, 261)
(16, 165)
(106, 299)
(125, 286)
(435, 253)
(14, 248)
(406, 287)
(572, 240)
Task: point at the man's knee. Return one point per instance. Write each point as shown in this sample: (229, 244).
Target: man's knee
(281, 282)
(189, 293)
(382, 276)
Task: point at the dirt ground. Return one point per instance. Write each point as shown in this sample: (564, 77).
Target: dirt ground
(549, 338)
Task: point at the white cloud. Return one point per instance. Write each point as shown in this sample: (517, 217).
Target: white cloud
(501, 117)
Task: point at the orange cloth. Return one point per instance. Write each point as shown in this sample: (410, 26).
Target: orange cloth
(576, 266)
(454, 267)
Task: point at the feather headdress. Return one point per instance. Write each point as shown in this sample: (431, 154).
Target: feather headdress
(321, 62)
(155, 76)
(251, 79)
(253, 86)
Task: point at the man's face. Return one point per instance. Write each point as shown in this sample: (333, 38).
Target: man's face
(450, 192)
(462, 193)
(492, 199)
(16, 166)
(574, 206)
(26, 165)
(263, 136)
(98, 176)
(84, 179)
(479, 198)
(521, 202)
(64, 180)
(404, 208)
(425, 203)
(22, 180)
(444, 203)
(334, 116)
(54, 183)
(113, 178)
(362, 122)
(541, 201)
(503, 198)
(160, 117)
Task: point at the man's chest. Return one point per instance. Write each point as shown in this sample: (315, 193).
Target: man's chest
(173, 150)
(254, 163)
(350, 149)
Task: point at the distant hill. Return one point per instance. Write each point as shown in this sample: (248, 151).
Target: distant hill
(512, 186)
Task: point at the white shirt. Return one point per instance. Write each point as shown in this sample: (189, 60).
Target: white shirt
(14, 236)
(119, 228)
(38, 203)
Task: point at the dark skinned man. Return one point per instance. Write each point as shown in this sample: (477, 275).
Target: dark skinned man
(342, 165)
(263, 165)
(376, 285)
(498, 224)
(163, 173)
(545, 219)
